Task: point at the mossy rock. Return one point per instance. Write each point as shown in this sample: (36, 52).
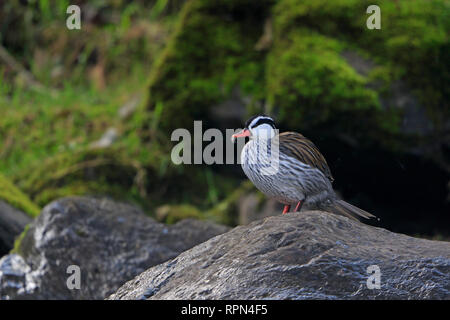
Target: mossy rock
(86, 171)
(412, 42)
(12, 195)
(301, 76)
(18, 244)
(145, 177)
(309, 81)
(211, 50)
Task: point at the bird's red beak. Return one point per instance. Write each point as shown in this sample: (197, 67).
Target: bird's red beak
(243, 133)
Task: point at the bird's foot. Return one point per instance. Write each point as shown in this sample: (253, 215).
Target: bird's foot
(299, 205)
(286, 209)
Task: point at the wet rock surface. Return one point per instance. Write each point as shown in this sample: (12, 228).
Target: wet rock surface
(12, 223)
(110, 242)
(307, 255)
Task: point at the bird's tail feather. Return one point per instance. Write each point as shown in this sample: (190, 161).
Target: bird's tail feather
(346, 209)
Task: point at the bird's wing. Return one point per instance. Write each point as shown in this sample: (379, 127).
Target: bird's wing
(297, 146)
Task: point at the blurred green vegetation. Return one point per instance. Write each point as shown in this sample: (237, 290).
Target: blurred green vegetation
(411, 45)
(206, 56)
(317, 68)
(177, 59)
(116, 37)
(88, 75)
(303, 75)
(13, 196)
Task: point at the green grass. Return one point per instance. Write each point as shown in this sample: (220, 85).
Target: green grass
(36, 126)
(18, 242)
(89, 74)
(45, 141)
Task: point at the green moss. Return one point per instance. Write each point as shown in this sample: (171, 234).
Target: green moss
(18, 242)
(173, 213)
(12, 195)
(303, 76)
(141, 173)
(210, 52)
(412, 43)
(309, 81)
(110, 171)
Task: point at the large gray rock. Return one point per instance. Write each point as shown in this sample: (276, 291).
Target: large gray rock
(307, 255)
(12, 223)
(110, 242)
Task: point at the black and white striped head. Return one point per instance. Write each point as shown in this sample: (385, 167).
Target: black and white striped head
(261, 127)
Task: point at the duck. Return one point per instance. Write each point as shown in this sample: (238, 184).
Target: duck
(289, 168)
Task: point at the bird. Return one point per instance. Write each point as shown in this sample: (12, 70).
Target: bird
(289, 168)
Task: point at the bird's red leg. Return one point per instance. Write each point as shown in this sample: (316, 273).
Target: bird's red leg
(286, 209)
(299, 205)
